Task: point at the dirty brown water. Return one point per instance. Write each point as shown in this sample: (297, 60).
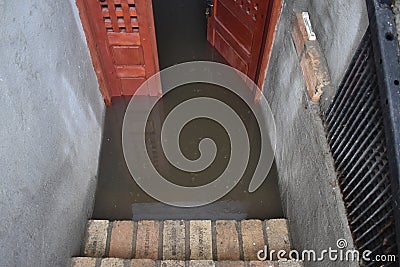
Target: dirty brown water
(181, 36)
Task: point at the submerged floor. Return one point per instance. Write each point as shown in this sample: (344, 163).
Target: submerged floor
(181, 36)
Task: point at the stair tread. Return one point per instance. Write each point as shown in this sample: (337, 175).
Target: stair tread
(185, 240)
(119, 262)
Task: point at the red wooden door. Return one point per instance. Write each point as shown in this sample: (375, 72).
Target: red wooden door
(236, 28)
(122, 43)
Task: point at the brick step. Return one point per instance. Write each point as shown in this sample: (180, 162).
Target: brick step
(185, 240)
(117, 262)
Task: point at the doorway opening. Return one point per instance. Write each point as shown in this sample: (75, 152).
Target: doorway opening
(181, 32)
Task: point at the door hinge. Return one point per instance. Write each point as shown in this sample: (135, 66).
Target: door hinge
(209, 8)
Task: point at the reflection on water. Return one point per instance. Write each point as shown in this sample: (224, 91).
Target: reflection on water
(119, 197)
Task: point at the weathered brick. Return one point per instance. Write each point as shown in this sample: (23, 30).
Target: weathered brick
(200, 240)
(262, 264)
(227, 241)
(143, 263)
(83, 262)
(278, 236)
(172, 263)
(309, 77)
(112, 262)
(253, 238)
(315, 71)
(299, 33)
(121, 239)
(290, 264)
(312, 60)
(147, 240)
(202, 263)
(174, 240)
(230, 264)
(96, 238)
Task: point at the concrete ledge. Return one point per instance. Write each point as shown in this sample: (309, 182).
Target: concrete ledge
(311, 199)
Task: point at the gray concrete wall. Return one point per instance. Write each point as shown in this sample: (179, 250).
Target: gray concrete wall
(311, 199)
(50, 131)
(396, 11)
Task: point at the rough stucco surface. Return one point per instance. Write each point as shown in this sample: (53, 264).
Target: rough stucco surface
(396, 11)
(50, 132)
(311, 199)
(339, 26)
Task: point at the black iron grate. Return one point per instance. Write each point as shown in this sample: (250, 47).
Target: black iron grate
(356, 135)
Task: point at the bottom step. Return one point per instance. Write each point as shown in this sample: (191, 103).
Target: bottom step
(220, 240)
(116, 262)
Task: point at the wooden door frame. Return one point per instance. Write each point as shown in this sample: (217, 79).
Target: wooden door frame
(270, 31)
(94, 53)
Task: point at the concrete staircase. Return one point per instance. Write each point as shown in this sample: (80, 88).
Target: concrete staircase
(181, 243)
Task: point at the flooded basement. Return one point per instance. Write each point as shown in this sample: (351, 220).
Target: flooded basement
(181, 36)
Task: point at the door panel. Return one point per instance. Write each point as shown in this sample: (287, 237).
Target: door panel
(229, 52)
(122, 43)
(128, 55)
(236, 29)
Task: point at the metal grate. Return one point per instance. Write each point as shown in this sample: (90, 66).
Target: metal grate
(356, 135)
